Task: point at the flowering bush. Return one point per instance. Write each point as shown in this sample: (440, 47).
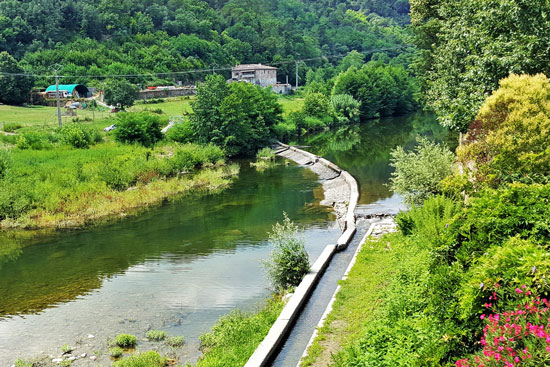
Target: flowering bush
(514, 338)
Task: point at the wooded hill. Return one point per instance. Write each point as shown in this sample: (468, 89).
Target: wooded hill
(103, 37)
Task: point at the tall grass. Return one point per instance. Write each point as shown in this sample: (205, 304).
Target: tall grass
(69, 187)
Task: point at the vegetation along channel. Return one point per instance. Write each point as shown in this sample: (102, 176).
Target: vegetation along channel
(146, 219)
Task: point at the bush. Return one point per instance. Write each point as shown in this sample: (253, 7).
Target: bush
(146, 359)
(4, 162)
(189, 156)
(418, 174)
(502, 270)
(125, 341)
(519, 336)
(76, 136)
(11, 127)
(174, 341)
(266, 153)
(33, 140)
(317, 105)
(156, 335)
(181, 132)
(504, 143)
(116, 352)
(141, 128)
(289, 261)
(346, 108)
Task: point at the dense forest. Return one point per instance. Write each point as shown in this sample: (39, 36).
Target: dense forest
(101, 37)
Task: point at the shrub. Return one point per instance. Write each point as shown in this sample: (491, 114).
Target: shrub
(139, 128)
(289, 261)
(125, 341)
(22, 363)
(11, 127)
(505, 268)
(181, 132)
(517, 337)
(346, 108)
(66, 348)
(146, 359)
(76, 136)
(4, 162)
(116, 352)
(418, 174)
(116, 175)
(266, 153)
(316, 105)
(504, 143)
(33, 140)
(174, 341)
(156, 335)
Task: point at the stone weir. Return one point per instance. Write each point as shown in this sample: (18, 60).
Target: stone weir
(342, 193)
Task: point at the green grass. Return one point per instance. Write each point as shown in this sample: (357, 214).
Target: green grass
(146, 359)
(174, 341)
(43, 116)
(116, 352)
(291, 104)
(357, 300)
(156, 335)
(178, 106)
(125, 341)
(235, 337)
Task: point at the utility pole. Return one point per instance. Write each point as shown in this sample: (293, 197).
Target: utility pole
(296, 75)
(57, 95)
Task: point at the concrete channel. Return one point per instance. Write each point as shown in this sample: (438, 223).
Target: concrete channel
(288, 337)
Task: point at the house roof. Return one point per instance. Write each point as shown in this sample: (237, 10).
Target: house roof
(245, 67)
(67, 87)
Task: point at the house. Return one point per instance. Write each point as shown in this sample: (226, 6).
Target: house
(281, 88)
(68, 91)
(262, 75)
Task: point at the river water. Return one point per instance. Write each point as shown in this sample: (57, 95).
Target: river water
(179, 267)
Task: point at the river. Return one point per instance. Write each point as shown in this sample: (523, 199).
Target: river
(179, 267)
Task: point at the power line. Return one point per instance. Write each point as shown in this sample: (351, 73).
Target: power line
(198, 71)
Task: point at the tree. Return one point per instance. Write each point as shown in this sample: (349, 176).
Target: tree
(238, 117)
(508, 140)
(470, 45)
(120, 92)
(14, 89)
(142, 128)
(418, 174)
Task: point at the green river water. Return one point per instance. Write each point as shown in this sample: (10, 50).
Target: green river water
(181, 266)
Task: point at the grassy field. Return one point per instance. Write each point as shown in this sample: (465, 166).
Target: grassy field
(46, 117)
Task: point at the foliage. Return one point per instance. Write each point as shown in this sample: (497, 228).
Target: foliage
(289, 261)
(156, 335)
(316, 105)
(119, 92)
(382, 90)
(9, 128)
(68, 185)
(181, 132)
(145, 359)
(22, 363)
(125, 341)
(517, 337)
(234, 338)
(508, 141)
(418, 173)
(4, 162)
(174, 341)
(468, 46)
(78, 136)
(14, 89)
(142, 128)
(66, 348)
(346, 108)
(266, 153)
(238, 117)
(116, 352)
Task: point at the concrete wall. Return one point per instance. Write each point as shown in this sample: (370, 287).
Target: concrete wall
(284, 322)
(178, 92)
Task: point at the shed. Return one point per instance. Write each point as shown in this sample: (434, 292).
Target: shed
(69, 90)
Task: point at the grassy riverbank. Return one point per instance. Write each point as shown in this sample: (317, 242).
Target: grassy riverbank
(66, 187)
(234, 338)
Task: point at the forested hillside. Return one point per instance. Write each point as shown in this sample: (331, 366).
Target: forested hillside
(103, 37)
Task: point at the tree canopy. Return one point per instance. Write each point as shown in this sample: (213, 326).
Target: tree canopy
(14, 89)
(469, 45)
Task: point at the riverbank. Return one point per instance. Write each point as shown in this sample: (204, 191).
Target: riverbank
(73, 188)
